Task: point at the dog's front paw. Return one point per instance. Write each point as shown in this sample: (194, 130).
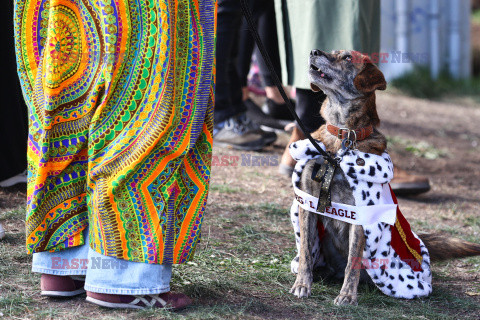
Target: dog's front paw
(344, 299)
(301, 289)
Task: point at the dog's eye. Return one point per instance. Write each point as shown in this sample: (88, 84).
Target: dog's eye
(347, 57)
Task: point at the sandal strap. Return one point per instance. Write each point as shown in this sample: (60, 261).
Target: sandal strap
(154, 298)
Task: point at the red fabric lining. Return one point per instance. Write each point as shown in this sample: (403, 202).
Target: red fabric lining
(397, 242)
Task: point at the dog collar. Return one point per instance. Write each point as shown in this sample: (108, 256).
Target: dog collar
(343, 133)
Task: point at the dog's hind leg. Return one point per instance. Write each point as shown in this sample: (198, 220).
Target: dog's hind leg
(348, 293)
(308, 232)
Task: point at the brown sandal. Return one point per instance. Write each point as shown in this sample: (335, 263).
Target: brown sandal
(61, 286)
(175, 301)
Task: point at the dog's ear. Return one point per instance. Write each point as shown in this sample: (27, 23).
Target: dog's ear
(370, 79)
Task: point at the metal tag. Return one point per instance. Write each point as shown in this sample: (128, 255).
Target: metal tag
(360, 162)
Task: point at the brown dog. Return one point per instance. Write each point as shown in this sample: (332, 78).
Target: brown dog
(349, 80)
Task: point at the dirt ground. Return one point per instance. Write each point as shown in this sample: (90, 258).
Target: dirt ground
(242, 266)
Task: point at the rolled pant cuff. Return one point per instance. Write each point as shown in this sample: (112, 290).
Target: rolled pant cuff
(76, 272)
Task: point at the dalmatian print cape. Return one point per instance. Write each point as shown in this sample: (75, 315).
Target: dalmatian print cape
(392, 275)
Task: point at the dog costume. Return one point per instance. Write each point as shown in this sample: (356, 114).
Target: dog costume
(394, 257)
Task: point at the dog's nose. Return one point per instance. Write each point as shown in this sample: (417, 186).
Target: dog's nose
(315, 52)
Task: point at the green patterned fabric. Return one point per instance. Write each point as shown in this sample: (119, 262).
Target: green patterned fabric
(120, 96)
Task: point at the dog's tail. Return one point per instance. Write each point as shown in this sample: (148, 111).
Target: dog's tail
(442, 247)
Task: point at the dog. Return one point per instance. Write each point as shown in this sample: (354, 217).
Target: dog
(349, 81)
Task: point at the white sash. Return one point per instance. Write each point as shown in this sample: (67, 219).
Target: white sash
(385, 212)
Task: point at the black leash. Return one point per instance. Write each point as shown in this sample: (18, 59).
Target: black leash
(278, 84)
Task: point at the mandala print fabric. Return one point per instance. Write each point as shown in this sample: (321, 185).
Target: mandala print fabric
(120, 96)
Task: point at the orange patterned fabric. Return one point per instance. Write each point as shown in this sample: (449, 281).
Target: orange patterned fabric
(120, 96)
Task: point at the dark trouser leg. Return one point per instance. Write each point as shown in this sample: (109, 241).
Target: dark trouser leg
(267, 28)
(263, 12)
(308, 108)
(246, 44)
(228, 94)
(13, 113)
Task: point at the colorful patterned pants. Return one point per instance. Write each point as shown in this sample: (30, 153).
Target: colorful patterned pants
(120, 96)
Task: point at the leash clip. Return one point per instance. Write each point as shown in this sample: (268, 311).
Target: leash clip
(349, 143)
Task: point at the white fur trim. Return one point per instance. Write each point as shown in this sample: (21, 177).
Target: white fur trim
(396, 278)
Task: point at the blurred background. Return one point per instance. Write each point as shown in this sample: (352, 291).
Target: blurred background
(441, 37)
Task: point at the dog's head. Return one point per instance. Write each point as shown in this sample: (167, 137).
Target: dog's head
(347, 75)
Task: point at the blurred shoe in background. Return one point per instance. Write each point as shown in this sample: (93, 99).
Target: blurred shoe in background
(278, 110)
(241, 133)
(2, 232)
(265, 121)
(404, 183)
(19, 178)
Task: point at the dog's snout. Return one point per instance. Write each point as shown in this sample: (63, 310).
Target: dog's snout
(315, 52)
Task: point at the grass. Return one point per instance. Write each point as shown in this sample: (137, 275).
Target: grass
(269, 208)
(476, 16)
(421, 148)
(246, 277)
(473, 221)
(418, 83)
(222, 188)
(242, 265)
(13, 214)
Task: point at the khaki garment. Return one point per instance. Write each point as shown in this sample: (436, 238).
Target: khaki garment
(327, 25)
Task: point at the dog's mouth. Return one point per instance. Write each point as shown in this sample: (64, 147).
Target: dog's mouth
(314, 87)
(320, 71)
